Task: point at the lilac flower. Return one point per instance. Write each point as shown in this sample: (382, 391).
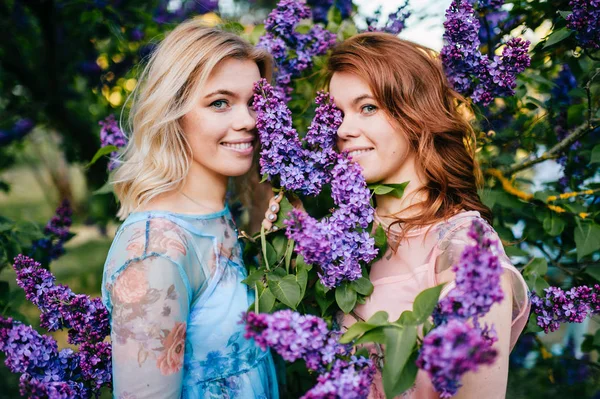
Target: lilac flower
(19, 130)
(46, 372)
(57, 233)
(585, 20)
(335, 243)
(451, 350)
(396, 21)
(86, 319)
(558, 306)
(346, 379)
(477, 280)
(468, 71)
(295, 336)
(281, 40)
(111, 134)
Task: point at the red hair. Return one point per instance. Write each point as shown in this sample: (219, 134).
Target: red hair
(408, 81)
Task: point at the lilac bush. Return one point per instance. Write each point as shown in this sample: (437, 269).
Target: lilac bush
(585, 21)
(86, 318)
(45, 371)
(395, 23)
(282, 40)
(470, 72)
(455, 346)
(451, 350)
(338, 243)
(295, 336)
(56, 232)
(477, 279)
(111, 134)
(20, 129)
(557, 306)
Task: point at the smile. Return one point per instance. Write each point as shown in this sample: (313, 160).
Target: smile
(356, 153)
(243, 148)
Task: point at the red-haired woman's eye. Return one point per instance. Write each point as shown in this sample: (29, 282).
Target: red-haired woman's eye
(368, 109)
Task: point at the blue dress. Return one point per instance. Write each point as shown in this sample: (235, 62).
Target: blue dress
(172, 285)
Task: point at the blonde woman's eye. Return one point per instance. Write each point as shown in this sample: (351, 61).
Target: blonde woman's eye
(368, 109)
(219, 104)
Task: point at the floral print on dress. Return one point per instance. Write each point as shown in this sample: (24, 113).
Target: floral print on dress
(173, 286)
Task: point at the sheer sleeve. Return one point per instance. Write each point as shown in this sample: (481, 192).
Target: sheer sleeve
(448, 253)
(150, 306)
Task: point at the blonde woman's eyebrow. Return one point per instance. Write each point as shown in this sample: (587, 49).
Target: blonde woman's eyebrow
(221, 92)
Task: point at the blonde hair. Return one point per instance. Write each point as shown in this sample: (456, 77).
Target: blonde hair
(157, 157)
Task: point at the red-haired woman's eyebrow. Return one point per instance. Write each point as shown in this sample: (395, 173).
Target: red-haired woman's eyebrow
(361, 97)
(221, 92)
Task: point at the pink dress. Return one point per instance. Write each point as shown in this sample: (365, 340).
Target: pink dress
(416, 265)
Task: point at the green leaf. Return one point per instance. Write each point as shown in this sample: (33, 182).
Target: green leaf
(285, 289)
(254, 277)
(266, 301)
(595, 155)
(409, 374)
(100, 153)
(345, 296)
(301, 264)
(407, 318)
(264, 178)
(289, 251)
(356, 330)
(279, 243)
(324, 300)
(532, 324)
(597, 338)
(587, 239)
(376, 335)
(512, 250)
(105, 189)
(380, 237)
(557, 36)
(537, 267)
(399, 345)
(564, 14)
(271, 254)
(593, 271)
(363, 286)
(284, 209)
(334, 15)
(396, 190)
(425, 302)
(301, 279)
(554, 224)
(379, 318)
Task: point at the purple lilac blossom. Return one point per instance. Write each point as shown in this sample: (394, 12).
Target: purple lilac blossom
(558, 306)
(335, 243)
(19, 130)
(295, 336)
(86, 318)
(585, 21)
(451, 350)
(111, 134)
(45, 371)
(346, 379)
(396, 21)
(468, 71)
(56, 232)
(281, 39)
(477, 279)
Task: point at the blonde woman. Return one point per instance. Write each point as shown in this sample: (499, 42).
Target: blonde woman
(172, 279)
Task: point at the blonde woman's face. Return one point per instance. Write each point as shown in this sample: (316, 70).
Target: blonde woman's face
(367, 133)
(221, 127)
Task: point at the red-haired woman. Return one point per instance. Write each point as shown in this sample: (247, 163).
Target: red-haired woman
(403, 122)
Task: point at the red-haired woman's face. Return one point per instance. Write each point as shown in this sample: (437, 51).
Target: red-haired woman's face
(368, 134)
